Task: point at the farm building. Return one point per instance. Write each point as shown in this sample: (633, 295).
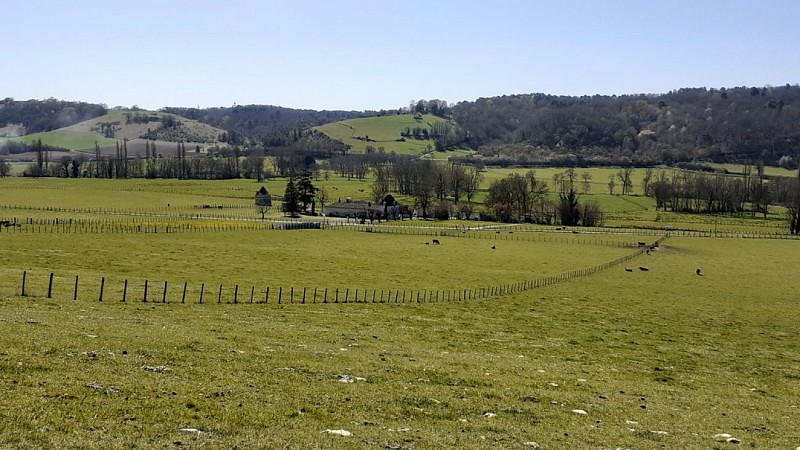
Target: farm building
(263, 198)
(388, 209)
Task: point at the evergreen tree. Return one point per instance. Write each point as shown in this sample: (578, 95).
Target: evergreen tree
(291, 199)
(306, 191)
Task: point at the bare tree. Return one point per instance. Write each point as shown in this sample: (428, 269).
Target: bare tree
(586, 178)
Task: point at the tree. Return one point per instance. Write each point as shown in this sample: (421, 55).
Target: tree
(306, 191)
(472, 183)
(5, 169)
(253, 165)
(611, 184)
(626, 180)
(648, 177)
(291, 199)
(425, 186)
(568, 208)
(322, 198)
(793, 205)
(586, 178)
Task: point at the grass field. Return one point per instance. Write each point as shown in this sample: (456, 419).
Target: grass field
(663, 358)
(72, 140)
(382, 131)
(658, 359)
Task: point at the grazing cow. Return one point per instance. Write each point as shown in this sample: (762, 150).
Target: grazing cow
(494, 248)
(643, 268)
(699, 272)
(628, 269)
(642, 244)
(436, 242)
(427, 243)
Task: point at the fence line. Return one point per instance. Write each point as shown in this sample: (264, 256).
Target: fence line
(513, 233)
(127, 292)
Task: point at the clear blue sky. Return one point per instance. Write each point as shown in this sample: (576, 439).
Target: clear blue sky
(375, 54)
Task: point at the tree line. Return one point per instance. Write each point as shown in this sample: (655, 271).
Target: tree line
(527, 198)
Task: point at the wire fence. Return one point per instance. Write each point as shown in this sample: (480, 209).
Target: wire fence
(38, 284)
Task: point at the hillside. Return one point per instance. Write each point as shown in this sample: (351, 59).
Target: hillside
(107, 129)
(693, 124)
(387, 132)
(272, 123)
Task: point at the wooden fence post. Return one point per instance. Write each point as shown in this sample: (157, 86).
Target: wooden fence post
(266, 296)
(102, 285)
(347, 295)
(75, 295)
(24, 276)
(202, 290)
(164, 296)
(144, 299)
(50, 286)
(125, 291)
(291, 294)
(280, 294)
(183, 297)
(252, 292)
(219, 298)
(337, 296)
(325, 300)
(236, 294)
(315, 295)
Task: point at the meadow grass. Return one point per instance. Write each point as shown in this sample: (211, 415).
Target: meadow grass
(657, 359)
(382, 131)
(72, 140)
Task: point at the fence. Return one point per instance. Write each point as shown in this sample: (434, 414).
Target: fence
(34, 285)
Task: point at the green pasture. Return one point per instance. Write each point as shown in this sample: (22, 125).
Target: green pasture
(768, 170)
(72, 140)
(382, 131)
(657, 359)
(302, 258)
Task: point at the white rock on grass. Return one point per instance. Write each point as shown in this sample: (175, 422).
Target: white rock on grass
(532, 444)
(191, 430)
(489, 415)
(349, 378)
(722, 437)
(158, 369)
(580, 411)
(338, 432)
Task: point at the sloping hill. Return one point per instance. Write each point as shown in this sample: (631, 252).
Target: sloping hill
(383, 131)
(131, 125)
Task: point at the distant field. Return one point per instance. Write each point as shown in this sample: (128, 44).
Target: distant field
(768, 170)
(382, 132)
(73, 140)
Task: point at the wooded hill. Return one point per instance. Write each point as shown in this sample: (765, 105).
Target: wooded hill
(274, 125)
(721, 125)
(34, 116)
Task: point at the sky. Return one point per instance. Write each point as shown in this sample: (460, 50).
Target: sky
(380, 54)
